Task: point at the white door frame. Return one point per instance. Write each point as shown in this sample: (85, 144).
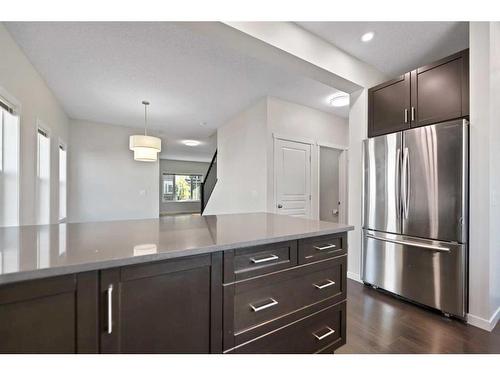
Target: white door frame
(343, 180)
(306, 141)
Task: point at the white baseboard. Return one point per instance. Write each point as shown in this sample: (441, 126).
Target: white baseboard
(354, 276)
(482, 323)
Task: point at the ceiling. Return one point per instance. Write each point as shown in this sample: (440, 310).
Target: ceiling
(397, 47)
(102, 71)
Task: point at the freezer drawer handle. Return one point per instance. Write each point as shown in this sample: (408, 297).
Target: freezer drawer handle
(326, 247)
(410, 243)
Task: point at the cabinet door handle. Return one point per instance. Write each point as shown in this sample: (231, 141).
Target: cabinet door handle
(321, 337)
(265, 259)
(412, 113)
(325, 285)
(110, 309)
(326, 247)
(264, 306)
(406, 115)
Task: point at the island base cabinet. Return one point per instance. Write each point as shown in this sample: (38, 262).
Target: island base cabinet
(40, 316)
(161, 307)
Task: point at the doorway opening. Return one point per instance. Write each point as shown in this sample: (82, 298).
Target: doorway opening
(332, 183)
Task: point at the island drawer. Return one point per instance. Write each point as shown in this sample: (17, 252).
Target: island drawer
(254, 261)
(323, 247)
(267, 298)
(322, 332)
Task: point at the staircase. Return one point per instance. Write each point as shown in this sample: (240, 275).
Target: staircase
(208, 184)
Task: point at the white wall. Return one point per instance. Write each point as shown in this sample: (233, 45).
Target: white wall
(20, 81)
(180, 167)
(495, 167)
(241, 163)
(245, 159)
(484, 242)
(295, 121)
(105, 182)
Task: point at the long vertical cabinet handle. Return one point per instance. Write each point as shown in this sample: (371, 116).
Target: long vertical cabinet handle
(405, 180)
(406, 115)
(398, 182)
(412, 114)
(110, 309)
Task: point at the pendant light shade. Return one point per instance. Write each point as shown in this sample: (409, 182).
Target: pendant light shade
(145, 147)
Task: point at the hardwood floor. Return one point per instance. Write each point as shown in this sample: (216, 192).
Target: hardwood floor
(380, 323)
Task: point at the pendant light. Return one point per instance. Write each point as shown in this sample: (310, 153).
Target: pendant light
(145, 147)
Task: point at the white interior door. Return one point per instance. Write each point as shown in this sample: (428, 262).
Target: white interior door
(292, 168)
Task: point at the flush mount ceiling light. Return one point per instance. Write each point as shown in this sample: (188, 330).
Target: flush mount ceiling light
(145, 147)
(339, 100)
(191, 143)
(366, 37)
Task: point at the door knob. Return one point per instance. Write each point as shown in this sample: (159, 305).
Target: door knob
(280, 205)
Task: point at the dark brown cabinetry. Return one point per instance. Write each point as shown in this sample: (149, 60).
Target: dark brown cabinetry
(278, 310)
(430, 94)
(162, 307)
(55, 315)
(284, 297)
(388, 106)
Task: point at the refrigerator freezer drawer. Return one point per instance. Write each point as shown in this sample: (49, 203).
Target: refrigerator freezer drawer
(428, 272)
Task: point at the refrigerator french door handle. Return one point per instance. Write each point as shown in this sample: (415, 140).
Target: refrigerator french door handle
(398, 182)
(404, 188)
(408, 182)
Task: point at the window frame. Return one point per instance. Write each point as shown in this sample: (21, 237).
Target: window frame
(15, 109)
(64, 147)
(174, 190)
(42, 128)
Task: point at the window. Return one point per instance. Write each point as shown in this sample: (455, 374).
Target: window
(62, 182)
(43, 177)
(181, 187)
(9, 165)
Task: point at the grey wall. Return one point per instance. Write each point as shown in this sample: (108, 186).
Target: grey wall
(328, 183)
(180, 167)
(105, 182)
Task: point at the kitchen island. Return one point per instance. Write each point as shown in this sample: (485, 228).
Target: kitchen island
(241, 283)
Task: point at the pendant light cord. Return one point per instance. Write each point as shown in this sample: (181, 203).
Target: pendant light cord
(145, 119)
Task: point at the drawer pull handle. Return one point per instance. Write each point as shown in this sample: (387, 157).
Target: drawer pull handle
(325, 285)
(265, 259)
(325, 335)
(265, 306)
(326, 247)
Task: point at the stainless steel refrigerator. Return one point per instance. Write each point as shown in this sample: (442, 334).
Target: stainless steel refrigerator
(415, 215)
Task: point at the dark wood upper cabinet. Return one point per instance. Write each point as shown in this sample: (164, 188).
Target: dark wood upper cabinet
(389, 104)
(440, 91)
(430, 94)
(161, 307)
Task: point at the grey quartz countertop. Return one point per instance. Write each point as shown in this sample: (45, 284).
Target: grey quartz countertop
(32, 252)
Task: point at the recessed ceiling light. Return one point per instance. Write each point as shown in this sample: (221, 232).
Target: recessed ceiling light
(366, 37)
(190, 142)
(339, 100)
